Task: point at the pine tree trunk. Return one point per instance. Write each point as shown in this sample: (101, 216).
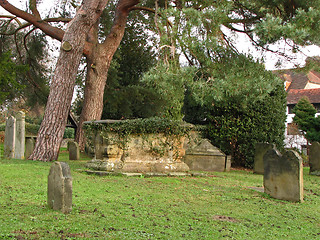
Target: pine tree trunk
(53, 125)
(98, 66)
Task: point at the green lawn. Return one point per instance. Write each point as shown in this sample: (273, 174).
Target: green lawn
(219, 206)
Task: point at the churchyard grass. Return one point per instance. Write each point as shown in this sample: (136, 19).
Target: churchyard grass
(217, 206)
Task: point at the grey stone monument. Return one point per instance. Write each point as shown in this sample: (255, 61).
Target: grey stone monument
(30, 143)
(314, 158)
(10, 138)
(74, 150)
(283, 175)
(260, 150)
(20, 136)
(206, 157)
(60, 187)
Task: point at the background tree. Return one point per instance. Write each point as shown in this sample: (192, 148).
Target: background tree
(125, 96)
(98, 53)
(240, 107)
(27, 49)
(9, 84)
(194, 30)
(306, 120)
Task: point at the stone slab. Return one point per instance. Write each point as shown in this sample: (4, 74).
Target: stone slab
(60, 187)
(260, 151)
(314, 158)
(74, 150)
(20, 135)
(283, 175)
(9, 138)
(206, 157)
(30, 143)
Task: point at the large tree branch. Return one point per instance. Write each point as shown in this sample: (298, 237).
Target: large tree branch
(123, 9)
(33, 8)
(140, 8)
(42, 24)
(51, 31)
(27, 24)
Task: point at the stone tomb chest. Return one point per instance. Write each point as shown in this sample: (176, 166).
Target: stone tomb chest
(206, 157)
(135, 153)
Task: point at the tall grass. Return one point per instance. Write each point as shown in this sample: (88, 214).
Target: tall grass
(218, 206)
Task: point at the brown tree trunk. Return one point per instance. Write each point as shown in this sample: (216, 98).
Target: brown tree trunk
(53, 125)
(98, 66)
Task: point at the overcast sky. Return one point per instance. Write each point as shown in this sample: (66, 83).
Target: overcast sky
(242, 42)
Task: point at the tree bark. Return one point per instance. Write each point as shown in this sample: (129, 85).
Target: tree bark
(99, 57)
(53, 125)
(98, 66)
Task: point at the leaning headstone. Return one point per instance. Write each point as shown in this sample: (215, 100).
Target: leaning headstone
(20, 136)
(314, 158)
(30, 143)
(74, 150)
(9, 138)
(60, 187)
(260, 150)
(283, 175)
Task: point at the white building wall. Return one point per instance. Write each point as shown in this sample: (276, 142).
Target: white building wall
(295, 141)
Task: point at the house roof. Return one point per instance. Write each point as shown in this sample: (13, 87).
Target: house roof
(294, 95)
(314, 77)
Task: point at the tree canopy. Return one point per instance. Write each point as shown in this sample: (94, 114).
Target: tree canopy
(195, 32)
(306, 120)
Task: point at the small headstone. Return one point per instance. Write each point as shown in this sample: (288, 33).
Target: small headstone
(228, 163)
(74, 150)
(9, 138)
(60, 187)
(20, 136)
(314, 158)
(260, 150)
(30, 143)
(283, 175)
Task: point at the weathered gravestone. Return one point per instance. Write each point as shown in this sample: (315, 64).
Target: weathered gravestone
(283, 175)
(10, 137)
(314, 158)
(60, 187)
(74, 150)
(20, 136)
(30, 143)
(206, 157)
(260, 150)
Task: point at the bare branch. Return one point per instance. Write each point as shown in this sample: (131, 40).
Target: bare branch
(53, 32)
(33, 8)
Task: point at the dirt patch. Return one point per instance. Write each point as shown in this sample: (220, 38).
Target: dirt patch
(224, 218)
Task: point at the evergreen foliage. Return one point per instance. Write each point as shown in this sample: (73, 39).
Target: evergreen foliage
(305, 119)
(24, 59)
(241, 106)
(10, 86)
(125, 97)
